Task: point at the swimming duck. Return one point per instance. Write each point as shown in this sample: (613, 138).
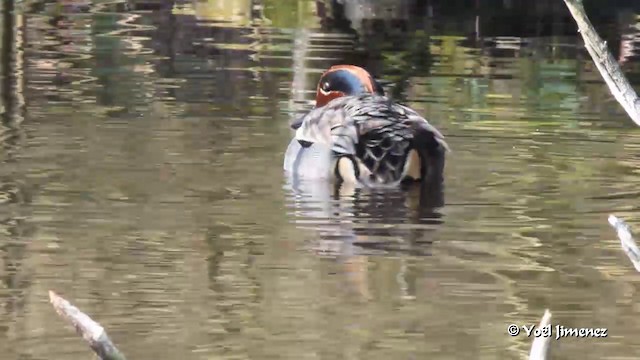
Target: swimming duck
(355, 134)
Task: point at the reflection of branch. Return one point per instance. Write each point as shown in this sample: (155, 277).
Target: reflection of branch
(8, 29)
(90, 330)
(606, 64)
(11, 65)
(301, 42)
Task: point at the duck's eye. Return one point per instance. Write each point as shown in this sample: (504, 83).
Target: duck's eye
(325, 86)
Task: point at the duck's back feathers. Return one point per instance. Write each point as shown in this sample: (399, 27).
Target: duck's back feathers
(378, 132)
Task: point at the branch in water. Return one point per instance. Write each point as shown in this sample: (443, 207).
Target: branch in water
(540, 345)
(606, 64)
(90, 330)
(626, 240)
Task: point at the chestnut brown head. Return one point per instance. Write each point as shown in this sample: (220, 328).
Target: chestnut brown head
(345, 80)
(342, 80)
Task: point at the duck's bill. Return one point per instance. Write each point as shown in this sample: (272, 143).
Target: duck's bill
(314, 129)
(312, 162)
(295, 125)
(308, 135)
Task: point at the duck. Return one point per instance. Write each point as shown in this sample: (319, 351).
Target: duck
(355, 134)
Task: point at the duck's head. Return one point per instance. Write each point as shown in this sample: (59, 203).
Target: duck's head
(345, 80)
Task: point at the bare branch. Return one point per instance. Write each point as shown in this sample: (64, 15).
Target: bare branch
(90, 330)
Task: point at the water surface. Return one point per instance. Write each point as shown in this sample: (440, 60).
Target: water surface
(140, 177)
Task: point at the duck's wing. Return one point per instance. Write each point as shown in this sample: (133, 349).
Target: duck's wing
(373, 130)
(387, 134)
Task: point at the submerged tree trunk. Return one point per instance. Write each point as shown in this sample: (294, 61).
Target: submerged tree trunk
(90, 330)
(627, 241)
(540, 345)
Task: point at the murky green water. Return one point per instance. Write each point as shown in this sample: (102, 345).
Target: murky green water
(140, 177)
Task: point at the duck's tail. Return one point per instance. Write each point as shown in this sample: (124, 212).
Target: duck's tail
(431, 149)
